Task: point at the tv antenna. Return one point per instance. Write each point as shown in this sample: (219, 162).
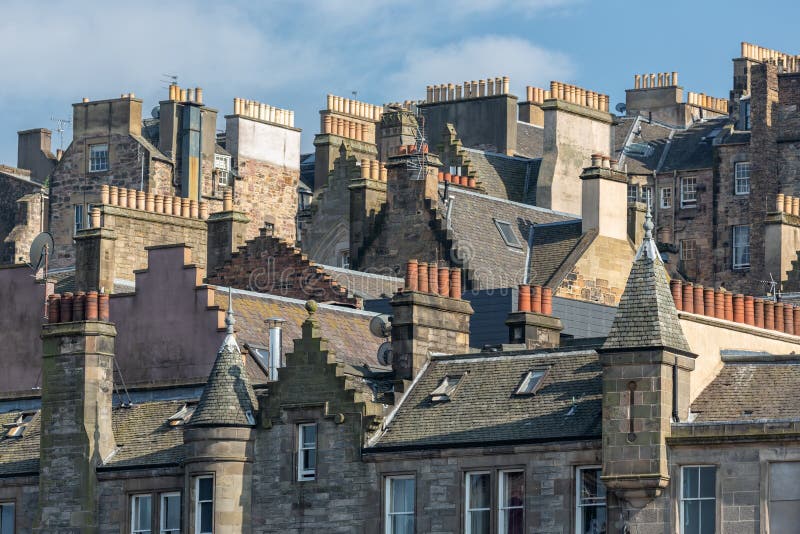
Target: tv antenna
(171, 79)
(61, 125)
(772, 286)
(355, 94)
(417, 160)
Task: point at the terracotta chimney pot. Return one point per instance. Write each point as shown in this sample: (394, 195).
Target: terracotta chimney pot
(758, 313)
(536, 299)
(444, 281)
(738, 308)
(788, 319)
(547, 301)
(728, 306)
(769, 315)
(749, 312)
(104, 194)
(433, 278)
(455, 283)
(688, 297)
(422, 277)
(719, 305)
(102, 307)
(91, 306)
(677, 293)
(54, 308)
(778, 309)
(79, 306)
(524, 298)
(699, 304)
(411, 275)
(66, 307)
(708, 302)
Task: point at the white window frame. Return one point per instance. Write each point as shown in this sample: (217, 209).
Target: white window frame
(388, 503)
(532, 382)
(13, 507)
(343, 257)
(467, 510)
(99, 164)
(135, 500)
(741, 179)
(684, 249)
(304, 473)
(737, 229)
(666, 197)
(579, 506)
(198, 504)
(222, 165)
(683, 499)
(688, 194)
(502, 509)
(162, 508)
(78, 218)
(633, 193)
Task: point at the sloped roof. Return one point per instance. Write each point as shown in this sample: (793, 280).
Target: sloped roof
(646, 316)
(346, 329)
(505, 176)
(552, 244)
(143, 436)
(530, 140)
(478, 240)
(484, 408)
(751, 391)
(367, 286)
(227, 399)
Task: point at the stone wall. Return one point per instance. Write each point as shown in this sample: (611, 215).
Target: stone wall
(267, 264)
(136, 229)
(601, 272)
(22, 217)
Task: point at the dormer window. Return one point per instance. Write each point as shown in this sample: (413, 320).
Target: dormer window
(17, 428)
(444, 391)
(182, 416)
(532, 382)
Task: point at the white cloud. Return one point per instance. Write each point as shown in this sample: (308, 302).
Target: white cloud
(483, 57)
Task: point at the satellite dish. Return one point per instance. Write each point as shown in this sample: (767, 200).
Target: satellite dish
(380, 325)
(41, 250)
(385, 353)
(620, 108)
(155, 112)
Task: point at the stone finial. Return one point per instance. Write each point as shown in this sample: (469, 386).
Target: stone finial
(229, 319)
(311, 307)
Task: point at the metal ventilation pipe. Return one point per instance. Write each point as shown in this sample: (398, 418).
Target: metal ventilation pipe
(275, 325)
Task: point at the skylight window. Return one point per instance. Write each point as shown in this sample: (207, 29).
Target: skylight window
(507, 233)
(183, 415)
(446, 388)
(532, 382)
(17, 428)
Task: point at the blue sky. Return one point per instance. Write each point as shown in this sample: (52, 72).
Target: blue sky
(290, 53)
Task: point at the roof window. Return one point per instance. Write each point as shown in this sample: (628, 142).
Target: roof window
(507, 233)
(183, 415)
(17, 428)
(446, 388)
(531, 382)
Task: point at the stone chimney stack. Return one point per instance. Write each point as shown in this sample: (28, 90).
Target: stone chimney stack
(604, 200)
(227, 231)
(95, 255)
(533, 323)
(429, 316)
(77, 389)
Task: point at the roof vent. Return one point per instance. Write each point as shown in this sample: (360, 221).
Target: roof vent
(16, 429)
(182, 416)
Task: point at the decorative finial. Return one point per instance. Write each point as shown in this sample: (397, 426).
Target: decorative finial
(229, 320)
(648, 224)
(311, 306)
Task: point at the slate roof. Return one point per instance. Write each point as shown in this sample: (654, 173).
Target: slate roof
(346, 329)
(650, 148)
(751, 391)
(144, 438)
(505, 176)
(227, 399)
(646, 316)
(367, 286)
(552, 244)
(484, 409)
(478, 240)
(530, 140)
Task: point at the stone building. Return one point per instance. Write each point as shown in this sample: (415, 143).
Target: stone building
(23, 213)
(664, 421)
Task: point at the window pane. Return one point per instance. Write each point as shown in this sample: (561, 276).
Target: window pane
(593, 520)
(205, 489)
(690, 483)
(513, 521)
(309, 459)
(479, 492)
(691, 517)
(7, 519)
(141, 513)
(171, 512)
(309, 435)
(479, 522)
(707, 516)
(402, 498)
(402, 524)
(206, 517)
(513, 488)
(708, 483)
(784, 516)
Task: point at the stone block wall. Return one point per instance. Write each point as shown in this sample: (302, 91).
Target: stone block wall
(267, 264)
(14, 185)
(601, 272)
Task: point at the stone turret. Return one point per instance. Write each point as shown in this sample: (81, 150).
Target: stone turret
(646, 364)
(219, 442)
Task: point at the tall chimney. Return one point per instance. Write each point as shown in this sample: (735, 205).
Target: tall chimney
(76, 429)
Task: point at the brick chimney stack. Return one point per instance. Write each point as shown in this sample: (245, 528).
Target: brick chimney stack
(428, 319)
(76, 430)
